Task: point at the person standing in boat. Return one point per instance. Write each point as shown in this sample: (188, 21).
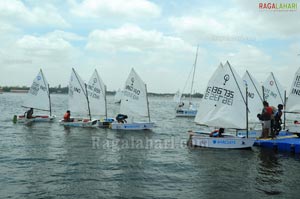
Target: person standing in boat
(217, 133)
(277, 119)
(266, 118)
(29, 113)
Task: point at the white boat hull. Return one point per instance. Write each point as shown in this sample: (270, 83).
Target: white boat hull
(251, 134)
(80, 123)
(132, 126)
(186, 113)
(36, 118)
(229, 142)
(294, 128)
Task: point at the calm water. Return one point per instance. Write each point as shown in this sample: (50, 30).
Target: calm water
(48, 161)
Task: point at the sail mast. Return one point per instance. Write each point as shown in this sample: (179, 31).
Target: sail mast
(195, 64)
(247, 114)
(49, 100)
(236, 82)
(87, 99)
(147, 102)
(105, 101)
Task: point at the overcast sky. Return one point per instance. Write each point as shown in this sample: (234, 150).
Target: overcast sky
(158, 38)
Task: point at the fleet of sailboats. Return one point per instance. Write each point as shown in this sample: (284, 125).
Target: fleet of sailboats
(229, 102)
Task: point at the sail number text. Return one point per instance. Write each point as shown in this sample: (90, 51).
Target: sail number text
(35, 87)
(132, 92)
(216, 94)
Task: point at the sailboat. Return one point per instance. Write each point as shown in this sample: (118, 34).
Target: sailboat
(79, 102)
(134, 103)
(177, 97)
(191, 111)
(224, 105)
(38, 98)
(292, 106)
(273, 91)
(97, 100)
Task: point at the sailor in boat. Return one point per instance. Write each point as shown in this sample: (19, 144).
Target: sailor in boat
(29, 113)
(277, 119)
(217, 133)
(180, 105)
(67, 117)
(121, 118)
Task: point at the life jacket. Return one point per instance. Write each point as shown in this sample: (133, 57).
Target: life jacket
(267, 113)
(67, 116)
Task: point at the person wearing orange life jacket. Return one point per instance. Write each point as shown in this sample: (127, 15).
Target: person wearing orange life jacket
(67, 117)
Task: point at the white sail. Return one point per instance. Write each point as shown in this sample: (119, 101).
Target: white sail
(223, 104)
(97, 91)
(38, 94)
(273, 91)
(134, 99)
(118, 96)
(77, 95)
(293, 101)
(255, 97)
(177, 97)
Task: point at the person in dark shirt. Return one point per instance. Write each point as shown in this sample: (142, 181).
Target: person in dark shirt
(29, 113)
(217, 133)
(277, 119)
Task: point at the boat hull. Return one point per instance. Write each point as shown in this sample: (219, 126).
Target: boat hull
(186, 113)
(230, 142)
(132, 126)
(85, 123)
(251, 134)
(294, 128)
(36, 118)
(105, 123)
